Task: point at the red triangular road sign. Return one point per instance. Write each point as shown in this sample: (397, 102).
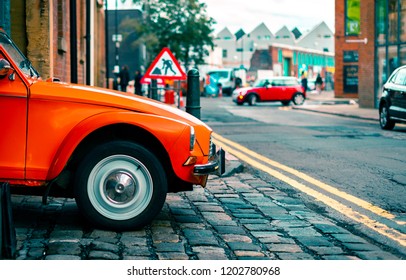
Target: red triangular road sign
(165, 66)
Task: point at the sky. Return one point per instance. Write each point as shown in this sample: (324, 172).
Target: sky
(248, 14)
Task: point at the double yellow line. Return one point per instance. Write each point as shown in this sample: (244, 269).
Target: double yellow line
(255, 159)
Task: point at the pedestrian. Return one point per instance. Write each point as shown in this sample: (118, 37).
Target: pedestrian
(115, 81)
(124, 78)
(137, 83)
(304, 82)
(238, 83)
(318, 83)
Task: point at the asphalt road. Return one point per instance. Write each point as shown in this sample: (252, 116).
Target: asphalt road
(349, 160)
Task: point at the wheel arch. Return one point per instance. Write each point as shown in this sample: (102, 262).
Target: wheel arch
(253, 93)
(77, 144)
(383, 102)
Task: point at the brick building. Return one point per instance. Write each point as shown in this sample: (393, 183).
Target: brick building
(370, 42)
(286, 60)
(62, 38)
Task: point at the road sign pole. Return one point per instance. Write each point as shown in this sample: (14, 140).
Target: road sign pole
(154, 89)
(193, 93)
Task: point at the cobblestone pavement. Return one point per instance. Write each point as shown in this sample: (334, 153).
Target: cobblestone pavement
(237, 217)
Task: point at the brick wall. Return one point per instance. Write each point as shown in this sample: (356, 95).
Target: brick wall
(261, 60)
(41, 28)
(38, 35)
(367, 55)
(18, 27)
(61, 40)
(364, 45)
(100, 49)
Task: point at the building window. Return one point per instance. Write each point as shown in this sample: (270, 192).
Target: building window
(393, 21)
(352, 18)
(403, 20)
(393, 59)
(381, 12)
(225, 54)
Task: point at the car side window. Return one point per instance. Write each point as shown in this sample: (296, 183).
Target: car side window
(277, 83)
(290, 82)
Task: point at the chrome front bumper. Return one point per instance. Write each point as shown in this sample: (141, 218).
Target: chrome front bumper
(216, 164)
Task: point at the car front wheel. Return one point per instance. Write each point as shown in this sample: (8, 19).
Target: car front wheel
(384, 118)
(298, 99)
(252, 100)
(120, 185)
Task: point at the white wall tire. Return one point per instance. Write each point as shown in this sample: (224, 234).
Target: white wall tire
(120, 185)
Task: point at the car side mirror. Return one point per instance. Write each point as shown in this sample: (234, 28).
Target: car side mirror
(5, 69)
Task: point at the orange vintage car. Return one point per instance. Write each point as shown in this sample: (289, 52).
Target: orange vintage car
(117, 154)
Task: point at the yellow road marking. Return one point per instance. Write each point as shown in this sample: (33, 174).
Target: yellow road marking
(362, 203)
(343, 209)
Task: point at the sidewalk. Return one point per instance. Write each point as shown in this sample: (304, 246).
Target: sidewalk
(326, 103)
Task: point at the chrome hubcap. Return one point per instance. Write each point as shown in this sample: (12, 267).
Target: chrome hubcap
(299, 99)
(120, 187)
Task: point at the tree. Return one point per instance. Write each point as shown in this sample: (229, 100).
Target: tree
(181, 25)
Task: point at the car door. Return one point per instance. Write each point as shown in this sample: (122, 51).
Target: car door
(273, 90)
(13, 126)
(287, 89)
(401, 98)
(264, 90)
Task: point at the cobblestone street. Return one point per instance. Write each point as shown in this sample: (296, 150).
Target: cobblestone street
(237, 217)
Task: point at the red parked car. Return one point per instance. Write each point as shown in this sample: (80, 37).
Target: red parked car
(283, 89)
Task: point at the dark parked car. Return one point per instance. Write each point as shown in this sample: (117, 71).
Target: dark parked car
(392, 105)
(283, 89)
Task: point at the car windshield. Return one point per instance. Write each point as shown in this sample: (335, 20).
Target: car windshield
(23, 63)
(261, 83)
(219, 74)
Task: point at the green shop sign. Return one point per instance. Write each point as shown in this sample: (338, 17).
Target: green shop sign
(353, 17)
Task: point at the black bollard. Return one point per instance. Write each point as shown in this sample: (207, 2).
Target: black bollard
(154, 89)
(7, 231)
(193, 93)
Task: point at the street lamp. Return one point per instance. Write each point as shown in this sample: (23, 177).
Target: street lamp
(115, 36)
(117, 39)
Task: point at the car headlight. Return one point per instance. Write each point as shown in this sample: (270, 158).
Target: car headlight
(212, 147)
(192, 138)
